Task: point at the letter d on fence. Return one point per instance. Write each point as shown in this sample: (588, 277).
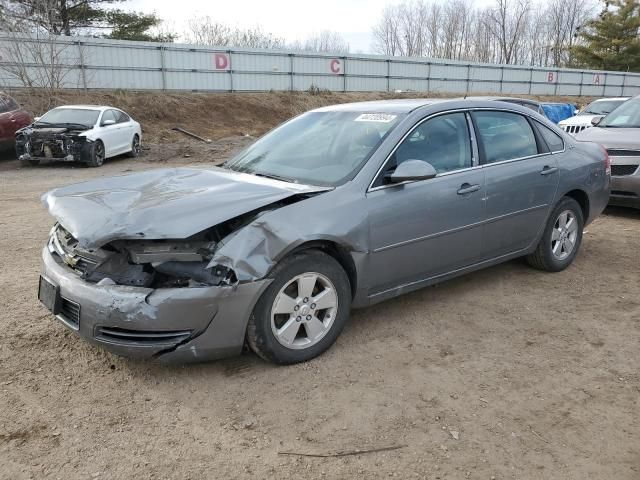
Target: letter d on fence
(221, 61)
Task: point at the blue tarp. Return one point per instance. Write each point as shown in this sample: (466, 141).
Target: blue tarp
(556, 112)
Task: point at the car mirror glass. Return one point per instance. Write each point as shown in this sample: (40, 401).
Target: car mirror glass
(596, 120)
(411, 171)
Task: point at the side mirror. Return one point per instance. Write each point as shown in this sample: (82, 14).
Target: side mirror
(576, 112)
(596, 120)
(412, 171)
(35, 119)
(106, 123)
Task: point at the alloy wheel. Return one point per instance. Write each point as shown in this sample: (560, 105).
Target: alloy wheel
(564, 235)
(304, 310)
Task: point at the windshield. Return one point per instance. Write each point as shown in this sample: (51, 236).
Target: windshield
(74, 116)
(317, 148)
(626, 115)
(602, 107)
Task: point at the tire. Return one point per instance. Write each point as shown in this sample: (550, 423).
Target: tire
(317, 329)
(96, 155)
(135, 147)
(559, 244)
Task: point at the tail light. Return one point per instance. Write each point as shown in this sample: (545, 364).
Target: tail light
(607, 161)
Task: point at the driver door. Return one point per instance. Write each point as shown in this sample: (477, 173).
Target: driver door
(109, 133)
(425, 229)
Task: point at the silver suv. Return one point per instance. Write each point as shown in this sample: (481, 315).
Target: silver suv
(619, 133)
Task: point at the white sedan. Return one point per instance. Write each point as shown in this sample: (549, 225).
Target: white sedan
(79, 133)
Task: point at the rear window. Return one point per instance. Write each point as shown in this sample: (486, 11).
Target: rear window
(551, 138)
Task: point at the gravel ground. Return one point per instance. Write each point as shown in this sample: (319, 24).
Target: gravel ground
(507, 373)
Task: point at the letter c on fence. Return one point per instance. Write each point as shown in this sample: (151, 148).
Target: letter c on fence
(550, 77)
(221, 61)
(335, 66)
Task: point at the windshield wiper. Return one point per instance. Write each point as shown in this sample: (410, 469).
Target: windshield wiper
(274, 177)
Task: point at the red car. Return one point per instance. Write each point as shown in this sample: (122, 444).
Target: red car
(12, 117)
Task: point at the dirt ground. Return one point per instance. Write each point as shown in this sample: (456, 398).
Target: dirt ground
(507, 373)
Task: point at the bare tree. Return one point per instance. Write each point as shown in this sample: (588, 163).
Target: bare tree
(206, 31)
(511, 31)
(34, 59)
(507, 23)
(325, 41)
(386, 33)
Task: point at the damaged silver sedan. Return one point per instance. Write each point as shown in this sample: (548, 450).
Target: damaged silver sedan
(341, 207)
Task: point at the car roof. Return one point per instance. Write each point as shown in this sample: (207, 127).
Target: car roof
(407, 105)
(87, 107)
(503, 99)
(402, 105)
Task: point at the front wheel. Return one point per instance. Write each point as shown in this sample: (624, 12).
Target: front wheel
(561, 239)
(96, 155)
(302, 312)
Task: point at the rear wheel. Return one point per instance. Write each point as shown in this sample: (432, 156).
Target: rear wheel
(561, 239)
(303, 311)
(135, 147)
(96, 156)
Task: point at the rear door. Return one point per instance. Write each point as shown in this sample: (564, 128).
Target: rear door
(521, 176)
(424, 229)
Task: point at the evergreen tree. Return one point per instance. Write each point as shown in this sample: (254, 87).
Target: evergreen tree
(80, 17)
(611, 41)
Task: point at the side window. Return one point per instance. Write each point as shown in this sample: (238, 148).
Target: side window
(121, 117)
(108, 115)
(552, 139)
(443, 141)
(505, 136)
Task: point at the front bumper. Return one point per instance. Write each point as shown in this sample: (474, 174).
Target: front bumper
(66, 158)
(172, 324)
(625, 190)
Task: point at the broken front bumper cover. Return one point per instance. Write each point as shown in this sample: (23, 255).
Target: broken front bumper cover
(170, 324)
(66, 158)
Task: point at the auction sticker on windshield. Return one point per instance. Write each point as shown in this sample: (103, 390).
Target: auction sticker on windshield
(376, 117)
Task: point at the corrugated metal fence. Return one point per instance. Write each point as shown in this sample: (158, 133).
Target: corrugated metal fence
(91, 63)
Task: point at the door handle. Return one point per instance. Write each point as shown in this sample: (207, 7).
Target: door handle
(547, 170)
(468, 188)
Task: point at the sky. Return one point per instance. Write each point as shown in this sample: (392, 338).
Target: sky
(291, 19)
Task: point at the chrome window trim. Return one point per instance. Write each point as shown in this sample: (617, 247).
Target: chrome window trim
(474, 143)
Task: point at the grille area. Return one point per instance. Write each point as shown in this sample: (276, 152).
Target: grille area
(618, 152)
(70, 311)
(622, 193)
(622, 170)
(573, 128)
(123, 336)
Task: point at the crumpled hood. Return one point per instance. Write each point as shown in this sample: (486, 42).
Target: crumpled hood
(627, 138)
(161, 204)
